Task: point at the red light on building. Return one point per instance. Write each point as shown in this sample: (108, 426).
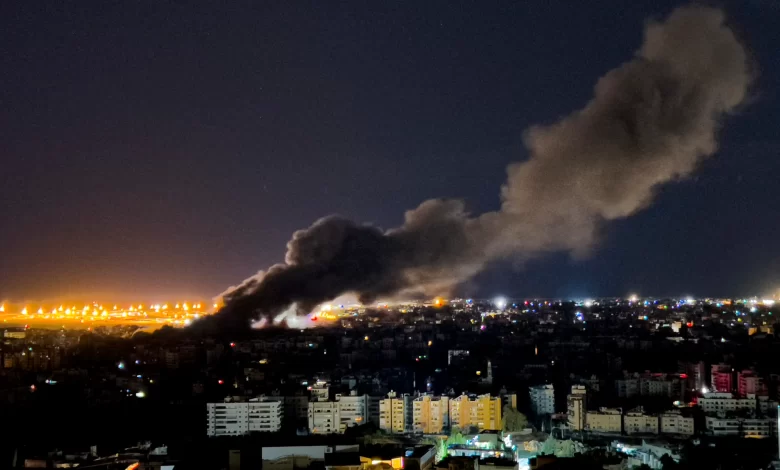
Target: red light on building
(232, 345)
(683, 376)
(220, 381)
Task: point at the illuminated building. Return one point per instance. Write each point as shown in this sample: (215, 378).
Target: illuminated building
(395, 413)
(324, 417)
(320, 391)
(353, 410)
(637, 422)
(542, 399)
(575, 407)
(431, 415)
(482, 411)
(237, 419)
(748, 383)
(740, 427)
(726, 402)
(672, 422)
(721, 378)
(604, 420)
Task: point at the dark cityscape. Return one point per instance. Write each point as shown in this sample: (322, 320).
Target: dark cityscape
(389, 235)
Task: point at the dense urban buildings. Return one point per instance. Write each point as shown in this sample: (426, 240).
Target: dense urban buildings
(580, 375)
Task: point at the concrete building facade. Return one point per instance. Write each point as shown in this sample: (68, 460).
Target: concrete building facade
(608, 420)
(241, 418)
(576, 408)
(542, 399)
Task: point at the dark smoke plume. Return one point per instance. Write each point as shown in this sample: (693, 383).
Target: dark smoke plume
(651, 121)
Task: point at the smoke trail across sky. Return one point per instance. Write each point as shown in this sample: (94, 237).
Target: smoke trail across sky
(651, 121)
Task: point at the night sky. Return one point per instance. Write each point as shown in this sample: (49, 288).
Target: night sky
(159, 149)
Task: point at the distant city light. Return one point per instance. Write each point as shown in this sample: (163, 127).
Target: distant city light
(140, 395)
(588, 303)
(500, 302)
(120, 366)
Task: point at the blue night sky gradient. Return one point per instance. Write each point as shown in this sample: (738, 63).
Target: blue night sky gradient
(155, 149)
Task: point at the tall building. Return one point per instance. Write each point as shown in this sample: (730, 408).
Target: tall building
(748, 383)
(542, 399)
(395, 413)
(296, 408)
(508, 399)
(237, 419)
(721, 378)
(482, 412)
(324, 417)
(353, 410)
(576, 408)
(431, 415)
(694, 373)
(373, 410)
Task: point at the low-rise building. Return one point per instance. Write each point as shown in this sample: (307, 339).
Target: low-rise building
(673, 422)
(723, 402)
(637, 422)
(740, 427)
(607, 420)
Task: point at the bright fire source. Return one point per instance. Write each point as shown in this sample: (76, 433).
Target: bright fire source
(84, 315)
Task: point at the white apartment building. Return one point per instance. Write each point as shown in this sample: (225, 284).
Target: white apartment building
(542, 399)
(237, 419)
(740, 427)
(637, 422)
(604, 420)
(353, 410)
(430, 414)
(576, 409)
(672, 422)
(723, 402)
(320, 391)
(324, 417)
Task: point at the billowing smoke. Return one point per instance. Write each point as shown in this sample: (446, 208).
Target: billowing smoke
(651, 121)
